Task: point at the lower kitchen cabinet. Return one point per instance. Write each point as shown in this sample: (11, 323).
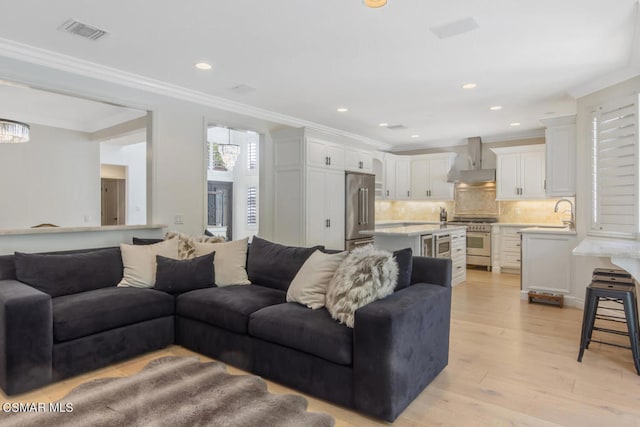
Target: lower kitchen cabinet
(547, 261)
(505, 255)
(458, 257)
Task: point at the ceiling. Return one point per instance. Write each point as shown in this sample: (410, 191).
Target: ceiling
(306, 59)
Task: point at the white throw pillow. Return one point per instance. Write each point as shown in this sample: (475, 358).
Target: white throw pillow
(140, 262)
(309, 287)
(230, 262)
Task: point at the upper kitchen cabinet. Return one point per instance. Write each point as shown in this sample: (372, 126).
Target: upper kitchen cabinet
(325, 154)
(308, 189)
(358, 160)
(560, 138)
(520, 172)
(429, 176)
(402, 178)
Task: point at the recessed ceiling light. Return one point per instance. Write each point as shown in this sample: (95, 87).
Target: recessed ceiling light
(514, 124)
(384, 125)
(469, 86)
(375, 3)
(342, 110)
(495, 108)
(415, 136)
(203, 66)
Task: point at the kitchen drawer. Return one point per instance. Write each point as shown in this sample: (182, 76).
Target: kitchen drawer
(510, 231)
(458, 252)
(511, 243)
(510, 260)
(459, 243)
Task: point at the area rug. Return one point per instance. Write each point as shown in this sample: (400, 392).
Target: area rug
(171, 391)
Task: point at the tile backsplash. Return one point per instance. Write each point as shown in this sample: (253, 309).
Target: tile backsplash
(524, 211)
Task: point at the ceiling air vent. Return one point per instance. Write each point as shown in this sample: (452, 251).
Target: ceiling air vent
(83, 30)
(397, 127)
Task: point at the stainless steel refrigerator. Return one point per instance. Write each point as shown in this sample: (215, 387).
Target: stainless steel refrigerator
(360, 209)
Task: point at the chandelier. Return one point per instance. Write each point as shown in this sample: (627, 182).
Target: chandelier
(12, 132)
(229, 153)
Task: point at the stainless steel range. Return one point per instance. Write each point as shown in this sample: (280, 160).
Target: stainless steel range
(478, 239)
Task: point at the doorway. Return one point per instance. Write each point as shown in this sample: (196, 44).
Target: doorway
(113, 201)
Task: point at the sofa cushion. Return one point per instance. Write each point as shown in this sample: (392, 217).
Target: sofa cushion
(65, 274)
(273, 265)
(176, 276)
(312, 331)
(228, 307)
(87, 313)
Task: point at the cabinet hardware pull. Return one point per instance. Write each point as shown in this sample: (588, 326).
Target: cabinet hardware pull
(387, 193)
(407, 194)
(326, 160)
(329, 160)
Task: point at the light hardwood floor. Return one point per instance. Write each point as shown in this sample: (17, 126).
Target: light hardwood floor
(510, 364)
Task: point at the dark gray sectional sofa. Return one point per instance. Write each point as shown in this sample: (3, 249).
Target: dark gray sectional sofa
(72, 318)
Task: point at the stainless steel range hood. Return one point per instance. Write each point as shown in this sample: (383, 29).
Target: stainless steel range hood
(476, 174)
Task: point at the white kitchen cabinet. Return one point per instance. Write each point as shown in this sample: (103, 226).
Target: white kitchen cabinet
(458, 256)
(520, 172)
(358, 160)
(309, 190)
(403, 177)
(389, 176)
(324, 154)
(560, 141)
(325, 208)
(547, 261)
(505, 250)
(429, 176)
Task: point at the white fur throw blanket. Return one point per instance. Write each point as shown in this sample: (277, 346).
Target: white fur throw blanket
(366, 275)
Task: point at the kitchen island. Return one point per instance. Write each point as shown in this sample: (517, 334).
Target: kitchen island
(443, 241)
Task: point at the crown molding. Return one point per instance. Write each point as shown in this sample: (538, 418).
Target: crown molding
(511, 136)
(84, 68)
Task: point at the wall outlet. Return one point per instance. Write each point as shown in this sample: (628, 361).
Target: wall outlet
(178, 219)
(517, 210)
(87, 219)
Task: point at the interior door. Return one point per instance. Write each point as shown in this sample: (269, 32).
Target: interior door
(113, 202)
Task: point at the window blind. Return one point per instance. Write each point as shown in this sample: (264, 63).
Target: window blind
(252, 155)
(615, 168)
(252, 206)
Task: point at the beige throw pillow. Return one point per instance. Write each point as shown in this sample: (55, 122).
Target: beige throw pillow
(186, 250)
(230, 261)
(140, 262)
(309, 287)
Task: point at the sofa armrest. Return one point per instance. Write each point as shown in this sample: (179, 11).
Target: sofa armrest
(436, 271)
(400, 344)
(26, 337)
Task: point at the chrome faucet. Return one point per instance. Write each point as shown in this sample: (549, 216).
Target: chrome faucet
(572, 223)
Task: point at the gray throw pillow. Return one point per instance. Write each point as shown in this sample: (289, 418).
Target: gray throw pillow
(176, 276)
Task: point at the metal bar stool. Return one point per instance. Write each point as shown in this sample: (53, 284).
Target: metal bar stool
(618, 287)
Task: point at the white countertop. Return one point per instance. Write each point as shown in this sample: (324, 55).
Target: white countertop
(607, 247)
(49, 230)
(525, 224)
(414, 230)
(549, 230)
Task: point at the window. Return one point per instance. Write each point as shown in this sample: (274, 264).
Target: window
(252, 206)
(615, 168)
(252, 155)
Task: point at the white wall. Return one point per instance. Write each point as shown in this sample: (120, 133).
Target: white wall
(54, 178)
(134, 158)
